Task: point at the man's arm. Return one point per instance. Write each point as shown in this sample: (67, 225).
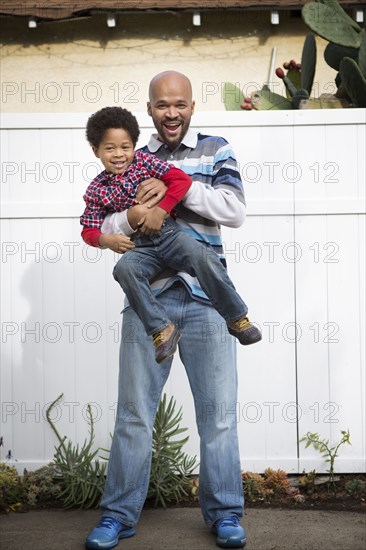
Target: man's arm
(223, 201)
(220, 205)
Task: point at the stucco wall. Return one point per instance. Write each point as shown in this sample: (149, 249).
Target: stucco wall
(82, 65)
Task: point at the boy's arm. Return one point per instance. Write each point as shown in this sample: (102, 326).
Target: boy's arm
(178, 183)
(115, 242)
(92, 220)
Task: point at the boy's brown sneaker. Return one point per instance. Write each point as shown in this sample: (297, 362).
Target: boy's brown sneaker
(244, 331)
(166, 342)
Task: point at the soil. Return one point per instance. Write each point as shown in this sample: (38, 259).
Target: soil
(318, 497)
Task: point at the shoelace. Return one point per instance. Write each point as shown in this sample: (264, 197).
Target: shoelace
(161, 336)
(230, 521)
(240, 324)
(157, 339)
(108, 523)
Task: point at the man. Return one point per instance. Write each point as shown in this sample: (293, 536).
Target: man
(208, 353)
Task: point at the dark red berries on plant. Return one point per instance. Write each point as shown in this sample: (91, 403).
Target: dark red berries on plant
(280, 73)
(246, 106)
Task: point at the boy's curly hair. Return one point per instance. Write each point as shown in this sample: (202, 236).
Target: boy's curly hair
(111, 117)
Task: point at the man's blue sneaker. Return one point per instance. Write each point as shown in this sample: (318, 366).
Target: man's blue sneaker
(107, 534)
(229, 532)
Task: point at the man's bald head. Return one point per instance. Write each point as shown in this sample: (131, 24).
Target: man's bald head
(171, 106)
(168, 80)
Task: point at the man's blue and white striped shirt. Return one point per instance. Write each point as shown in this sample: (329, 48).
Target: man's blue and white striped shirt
(209, 161)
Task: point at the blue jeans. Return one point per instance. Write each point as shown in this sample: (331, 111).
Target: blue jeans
(173, 247)
(209, 355)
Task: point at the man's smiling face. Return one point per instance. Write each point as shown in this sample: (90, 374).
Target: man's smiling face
(171, 107)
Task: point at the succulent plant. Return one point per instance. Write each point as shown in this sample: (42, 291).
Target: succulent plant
(300, 76)
(329, 20)
(353, 81)
(346, 51)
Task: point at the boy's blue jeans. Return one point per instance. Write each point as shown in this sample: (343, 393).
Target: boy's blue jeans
(173, 247)
(208, 353)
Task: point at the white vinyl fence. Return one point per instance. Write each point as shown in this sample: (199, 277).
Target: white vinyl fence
(299, 262)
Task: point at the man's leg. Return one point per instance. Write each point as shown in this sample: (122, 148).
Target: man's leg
(141, 382)
(209, 356)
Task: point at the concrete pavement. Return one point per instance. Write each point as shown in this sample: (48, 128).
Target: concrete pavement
(183, 529)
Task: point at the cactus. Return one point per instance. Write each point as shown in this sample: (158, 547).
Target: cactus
(361, 60)
(308, 62)
(330, 21)
(300, 77)
(346, 51)
(266, 100)
(334, 53)
(233, 97)
(353, 81)
(297, 95)
(294, 74)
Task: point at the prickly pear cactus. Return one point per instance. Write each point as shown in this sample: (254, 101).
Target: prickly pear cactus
(334, 53)
(361, 59)
(330, 21)
(353, 81)
(266, 100)
(308, 62)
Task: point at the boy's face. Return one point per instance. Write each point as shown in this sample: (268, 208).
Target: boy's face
(116, 150)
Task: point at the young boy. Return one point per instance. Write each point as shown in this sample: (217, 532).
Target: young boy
(159, 241)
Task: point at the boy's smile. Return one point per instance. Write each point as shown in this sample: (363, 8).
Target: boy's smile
(116, 150)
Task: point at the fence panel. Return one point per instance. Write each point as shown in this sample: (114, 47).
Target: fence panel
(298, 261)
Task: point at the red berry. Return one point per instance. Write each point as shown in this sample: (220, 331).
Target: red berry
(248, 99)
(298, 66)
(246, 106)
(280, 73)
(293, 64)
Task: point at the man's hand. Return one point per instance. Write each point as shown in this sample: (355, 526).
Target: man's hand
(151, 192)
(117, 243)
(152, 221)
(136, 213)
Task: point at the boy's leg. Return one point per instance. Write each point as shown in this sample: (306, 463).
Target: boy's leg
(183, 253)
(180, 251)
(133, 271)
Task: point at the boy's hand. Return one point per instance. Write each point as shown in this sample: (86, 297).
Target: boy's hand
(151, 191)
(152, 221)
(117, 243)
